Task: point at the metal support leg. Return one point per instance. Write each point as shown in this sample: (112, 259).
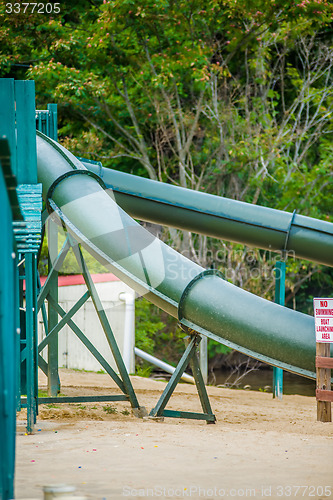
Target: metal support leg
(52, 273)
(201, 388)
(53, 385)
(63, 321)
(189, 356)
(18, 334)
(139, 411)
(31, 341)
(280, 276)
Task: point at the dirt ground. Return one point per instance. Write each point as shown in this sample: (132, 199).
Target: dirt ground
(259, 447)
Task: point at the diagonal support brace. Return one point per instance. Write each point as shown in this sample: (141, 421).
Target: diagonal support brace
(189, 357)
(140, 411)
(78, 332)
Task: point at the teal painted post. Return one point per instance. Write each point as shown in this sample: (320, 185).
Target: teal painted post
(7, 118)
(26, 132)
(47, 121)
(53, 121)
(53, 385)
(28, 241)
(8, 325)
(7, 361)
(280, 277)
(18, 333)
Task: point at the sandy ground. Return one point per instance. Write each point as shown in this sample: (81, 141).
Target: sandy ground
(259, 447)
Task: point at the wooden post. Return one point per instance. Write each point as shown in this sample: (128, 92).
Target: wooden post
(324, 395)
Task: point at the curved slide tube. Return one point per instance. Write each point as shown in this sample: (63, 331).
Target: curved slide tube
(233, 220)
(202, 300)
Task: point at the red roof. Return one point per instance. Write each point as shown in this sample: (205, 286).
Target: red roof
(77, 279)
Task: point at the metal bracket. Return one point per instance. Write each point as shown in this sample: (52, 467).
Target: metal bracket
(68, 174)
(92, 162)
(284, 251)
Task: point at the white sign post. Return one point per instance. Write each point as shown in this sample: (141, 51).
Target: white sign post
(323, 312)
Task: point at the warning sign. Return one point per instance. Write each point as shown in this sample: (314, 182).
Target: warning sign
(323, 311)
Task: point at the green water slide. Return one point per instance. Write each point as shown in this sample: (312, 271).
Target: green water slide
(254, 225)
(201, 299)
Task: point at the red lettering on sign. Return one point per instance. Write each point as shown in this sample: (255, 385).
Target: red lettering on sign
(324, 312)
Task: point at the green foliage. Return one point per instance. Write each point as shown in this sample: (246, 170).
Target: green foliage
(110, 410)
(42, 394)
(70, 265)
(143, 369)
(147, 325)
(215, 348)
(156, 333)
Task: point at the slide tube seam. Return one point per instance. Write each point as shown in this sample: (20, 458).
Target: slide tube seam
(190, 326)
(202, 275)
(92, 162)
(68, 174)
(288, 233)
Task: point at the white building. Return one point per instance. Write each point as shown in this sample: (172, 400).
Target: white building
(119, 309)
